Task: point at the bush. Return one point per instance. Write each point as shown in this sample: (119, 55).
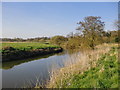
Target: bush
(58, 40)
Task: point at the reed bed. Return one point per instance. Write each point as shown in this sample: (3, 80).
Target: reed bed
(78, 64)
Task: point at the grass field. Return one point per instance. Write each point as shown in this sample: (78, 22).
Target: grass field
(22, 50)
(28, 45)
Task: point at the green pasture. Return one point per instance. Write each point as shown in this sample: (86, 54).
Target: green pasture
(27, 45)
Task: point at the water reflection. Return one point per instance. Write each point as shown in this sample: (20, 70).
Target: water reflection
(11, 64)
(19, 73)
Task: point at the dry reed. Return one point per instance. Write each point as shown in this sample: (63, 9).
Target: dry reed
(78, 63)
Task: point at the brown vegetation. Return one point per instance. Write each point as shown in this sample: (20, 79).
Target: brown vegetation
(78, 65)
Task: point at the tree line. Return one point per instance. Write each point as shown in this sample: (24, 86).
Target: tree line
(38, 39)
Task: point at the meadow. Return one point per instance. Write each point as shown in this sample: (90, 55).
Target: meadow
(28, 45)
(22, 50)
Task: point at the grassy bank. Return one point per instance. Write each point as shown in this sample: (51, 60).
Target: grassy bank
(27, 45)
(15, 51)
(92, 69)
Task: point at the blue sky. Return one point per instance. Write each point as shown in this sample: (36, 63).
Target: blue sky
(28, 19)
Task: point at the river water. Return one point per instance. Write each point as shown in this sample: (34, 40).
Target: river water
(25, 73)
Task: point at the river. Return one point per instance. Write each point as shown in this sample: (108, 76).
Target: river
(25, 73)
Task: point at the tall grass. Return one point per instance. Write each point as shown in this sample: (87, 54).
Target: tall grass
(83, 67)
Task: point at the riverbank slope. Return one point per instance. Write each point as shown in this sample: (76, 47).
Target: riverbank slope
(93, 69)
(19, 51)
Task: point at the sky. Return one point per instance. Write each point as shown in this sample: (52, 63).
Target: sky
(38, 19)
(60, 0)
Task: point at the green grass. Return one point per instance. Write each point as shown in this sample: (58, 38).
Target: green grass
(18, 51)
(104, 75)
(23, 46)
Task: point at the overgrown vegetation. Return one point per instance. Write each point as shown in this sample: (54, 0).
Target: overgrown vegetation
(90, 33)
(96, 69)
(58, 40)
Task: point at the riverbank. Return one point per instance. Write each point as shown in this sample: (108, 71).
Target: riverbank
(91, 69)
(19, 51)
